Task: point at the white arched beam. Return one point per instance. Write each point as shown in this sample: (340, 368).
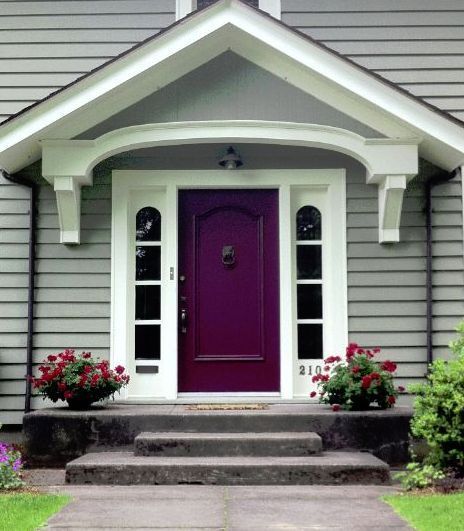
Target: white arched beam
(382, 157)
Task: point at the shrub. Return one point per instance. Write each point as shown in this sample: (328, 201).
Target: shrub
(78, 379)
(357, 382)
(439, 409)
(439, 420)
(10, 467)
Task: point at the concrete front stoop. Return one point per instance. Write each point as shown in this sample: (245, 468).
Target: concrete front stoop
(274, 458)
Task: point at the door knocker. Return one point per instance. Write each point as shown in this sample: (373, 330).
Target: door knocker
(228, 256)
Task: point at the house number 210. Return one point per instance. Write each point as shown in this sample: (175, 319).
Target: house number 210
(309, 370)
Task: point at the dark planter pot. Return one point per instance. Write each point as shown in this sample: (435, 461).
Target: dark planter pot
(80, 404)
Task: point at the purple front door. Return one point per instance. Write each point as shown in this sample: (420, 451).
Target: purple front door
(228, 291)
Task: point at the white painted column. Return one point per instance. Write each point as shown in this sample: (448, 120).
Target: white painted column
(286, 306)
(169, 347)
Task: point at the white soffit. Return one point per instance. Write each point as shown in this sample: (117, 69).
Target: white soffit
(229, 25)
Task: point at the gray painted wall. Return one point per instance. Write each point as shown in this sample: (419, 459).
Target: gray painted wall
(386, 283)
(45, 45)
(230, 87)
(418, 44)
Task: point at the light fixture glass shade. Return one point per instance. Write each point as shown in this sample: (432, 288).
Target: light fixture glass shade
(231, 160)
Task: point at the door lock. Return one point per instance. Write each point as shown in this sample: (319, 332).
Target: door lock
(183, 321)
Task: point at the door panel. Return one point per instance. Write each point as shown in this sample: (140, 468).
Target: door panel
(228, 291)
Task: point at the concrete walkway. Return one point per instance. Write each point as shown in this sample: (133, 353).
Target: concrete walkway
(191, 507)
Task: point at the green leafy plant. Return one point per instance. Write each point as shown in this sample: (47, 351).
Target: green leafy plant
(78, 379)
(357, 382)
(439, 420)
(419, 476)
(10, 467)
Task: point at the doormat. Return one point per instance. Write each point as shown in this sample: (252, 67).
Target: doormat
(226, 407)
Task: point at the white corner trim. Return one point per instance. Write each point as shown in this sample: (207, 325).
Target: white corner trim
(273, 7)
(68, 198)
(184, 7)
(391, 191)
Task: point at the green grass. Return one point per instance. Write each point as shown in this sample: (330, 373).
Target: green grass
(432, 512)
(27, 511)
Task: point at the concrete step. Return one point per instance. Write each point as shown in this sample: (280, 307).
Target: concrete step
(330, 468)
(227, 444)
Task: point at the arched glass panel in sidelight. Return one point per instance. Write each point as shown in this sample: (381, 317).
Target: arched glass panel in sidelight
(309, 282)
(308, 224)
(148, 284)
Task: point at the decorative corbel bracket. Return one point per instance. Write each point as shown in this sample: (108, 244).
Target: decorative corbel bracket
(391, 191)
(68, 198)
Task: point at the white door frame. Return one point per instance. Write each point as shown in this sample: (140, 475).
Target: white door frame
(167, 183)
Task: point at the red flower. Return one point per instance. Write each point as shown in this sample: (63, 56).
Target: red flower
(391, 399)
(87, 369)
(366, 382)
(86, 355)
(335, 407)
(68, 394)
(375, 375)
(333, 359)
(313, 394)
(51, 358)
(61, 386)
(401, 389)
(119, 369)
(326, 368)
(388, 366)
(351, 350)
(356, 369)
(44, 368)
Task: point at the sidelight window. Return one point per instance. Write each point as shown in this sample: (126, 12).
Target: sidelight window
(309, 282)
(148, 284)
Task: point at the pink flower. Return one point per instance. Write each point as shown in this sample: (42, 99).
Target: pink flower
(313, 394)
(119, 369)
(391, 400)
(401, 389)
(355, 369)
(326, 368)
(335, 407)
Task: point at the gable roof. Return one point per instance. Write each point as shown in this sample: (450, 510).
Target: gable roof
(231, 24)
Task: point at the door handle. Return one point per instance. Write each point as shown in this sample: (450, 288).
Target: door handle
(183, 321)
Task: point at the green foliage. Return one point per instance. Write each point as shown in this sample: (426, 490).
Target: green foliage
(419, 476)
(439, 420)
(359, 382)
(439, 410)
(28, 511)
(10, 467)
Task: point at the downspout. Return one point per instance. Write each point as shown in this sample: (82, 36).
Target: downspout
(31, 278)
(434, 180)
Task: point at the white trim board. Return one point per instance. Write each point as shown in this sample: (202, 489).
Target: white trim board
(127, 184)
(230, 25)
(184, 7)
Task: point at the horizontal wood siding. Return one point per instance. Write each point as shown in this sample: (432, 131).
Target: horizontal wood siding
(386, 283)
(418, 44)
(45, 45)
(14, 223)
(72, 307)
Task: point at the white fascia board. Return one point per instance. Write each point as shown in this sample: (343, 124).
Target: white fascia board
(443, 139)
